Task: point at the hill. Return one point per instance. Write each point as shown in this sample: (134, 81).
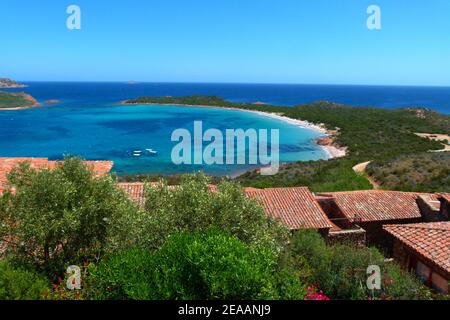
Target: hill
(371, 134)
(9, 101)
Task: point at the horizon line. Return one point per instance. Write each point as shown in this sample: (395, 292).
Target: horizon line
(235, 83)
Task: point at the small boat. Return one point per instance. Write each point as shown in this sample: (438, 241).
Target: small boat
(151, 151)
(137, 153)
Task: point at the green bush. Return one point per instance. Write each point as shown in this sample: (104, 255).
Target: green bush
(340, 270)
(211, 265)
(20, 284)
(63, 216)
(192, 206)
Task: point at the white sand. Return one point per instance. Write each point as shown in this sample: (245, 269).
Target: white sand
(330, 150)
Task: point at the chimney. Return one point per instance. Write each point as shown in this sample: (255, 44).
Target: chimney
(430, 208)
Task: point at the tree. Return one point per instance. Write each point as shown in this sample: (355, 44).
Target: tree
(62, 216)
(193, 206)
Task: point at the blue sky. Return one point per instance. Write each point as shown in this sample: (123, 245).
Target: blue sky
(257, 41)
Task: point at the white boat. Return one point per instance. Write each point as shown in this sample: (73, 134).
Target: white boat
(151, 151)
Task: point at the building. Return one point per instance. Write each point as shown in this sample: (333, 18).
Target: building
(425, 249)
(371, 209)
(297, 208)
(9, 164)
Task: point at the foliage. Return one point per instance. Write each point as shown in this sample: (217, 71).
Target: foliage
(14, 100)
(210, 265)
(333, 175)
(371, 134)
(425, 172)
(19, 284)
(340, 270)
(63, 216)
(193, 206)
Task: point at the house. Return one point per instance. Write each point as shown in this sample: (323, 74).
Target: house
(135, 190)
(297, 208)
(371, 209)
(9, 164)
(425, 249)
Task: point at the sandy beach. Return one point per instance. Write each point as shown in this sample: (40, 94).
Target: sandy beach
(330, 149)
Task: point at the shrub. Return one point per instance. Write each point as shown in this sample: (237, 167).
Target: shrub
(192, 206)
(211, 265)
(20, 284)
(63, 216)
(340, 270)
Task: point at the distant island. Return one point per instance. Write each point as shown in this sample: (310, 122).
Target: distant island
(15, 101)
(6, 83)
(383, 148)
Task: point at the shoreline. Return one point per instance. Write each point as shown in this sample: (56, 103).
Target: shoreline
(332, 151)
(28, 98)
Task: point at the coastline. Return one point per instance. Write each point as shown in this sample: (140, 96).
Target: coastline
(331, 149)
(27, 97)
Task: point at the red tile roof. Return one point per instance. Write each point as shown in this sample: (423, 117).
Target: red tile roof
(297, 207)
(378, 205)
(135, 191)
(429, 240)
(445, 196)
(8, 164)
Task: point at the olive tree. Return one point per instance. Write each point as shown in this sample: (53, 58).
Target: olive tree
(63, 216)
(193, 206)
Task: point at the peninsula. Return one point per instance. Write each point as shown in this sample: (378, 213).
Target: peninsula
(383, 137)
(15, 101)
(6, 83)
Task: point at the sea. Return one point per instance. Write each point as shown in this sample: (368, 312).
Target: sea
(90, 122)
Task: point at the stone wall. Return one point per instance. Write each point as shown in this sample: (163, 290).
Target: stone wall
(351, 237)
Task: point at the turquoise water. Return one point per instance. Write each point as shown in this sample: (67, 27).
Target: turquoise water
(89, 121)
(106, 131)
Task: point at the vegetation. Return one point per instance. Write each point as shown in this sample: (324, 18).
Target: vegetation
(371, 134)
(185, 243)
(15, 100)
(16, 283)
(340, 270)
(210, 265)
(425, 172)
(63, 216)
(194, 207)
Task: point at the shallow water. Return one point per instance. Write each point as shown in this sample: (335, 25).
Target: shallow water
(113, 132)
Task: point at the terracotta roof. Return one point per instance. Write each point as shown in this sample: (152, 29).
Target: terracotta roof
(136, 191)
(8, 164)
(445, 196)
(295, 207)
(429, 240)
(378, 205)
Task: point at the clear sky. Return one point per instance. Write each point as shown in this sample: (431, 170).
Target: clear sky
(259, 41)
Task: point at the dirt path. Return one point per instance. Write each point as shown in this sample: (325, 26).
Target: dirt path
(437, 137)
(361, 169)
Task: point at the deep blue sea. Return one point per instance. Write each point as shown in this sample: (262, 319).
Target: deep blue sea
(89, 121)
